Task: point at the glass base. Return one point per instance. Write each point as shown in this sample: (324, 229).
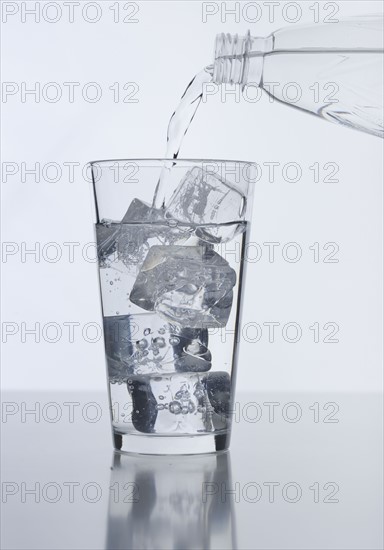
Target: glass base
(171, 445)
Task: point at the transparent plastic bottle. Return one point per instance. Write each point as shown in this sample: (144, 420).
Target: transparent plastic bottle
(332, 70)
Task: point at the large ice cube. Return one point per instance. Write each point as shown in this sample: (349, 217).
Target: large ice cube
(142, 227)
(180, 403)
(218, 386)
(203, 198)
(144, 404)
(190, 349)
(117, 276)
(106, 235)
(145, 344)
(189, 285)
(133, 245)
(141, 344)
(156, 223)
(123, 247)
(139, 211)
(132, 237)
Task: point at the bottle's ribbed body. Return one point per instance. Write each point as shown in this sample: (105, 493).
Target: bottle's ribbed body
(331, 70)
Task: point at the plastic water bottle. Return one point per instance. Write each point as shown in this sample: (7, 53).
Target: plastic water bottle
(332, 70)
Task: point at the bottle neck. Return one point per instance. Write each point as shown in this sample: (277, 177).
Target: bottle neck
(240, 59)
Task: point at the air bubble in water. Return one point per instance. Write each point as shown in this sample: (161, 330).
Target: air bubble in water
(159, 342)
(142, 344)
(175, 407)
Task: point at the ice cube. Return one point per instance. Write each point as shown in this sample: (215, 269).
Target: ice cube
(138, 226)
(188, 285)
(180, 403)
(203, 198)
(139, 211)
(144, 226)
(144, 404)
(133, 246)
(218, 387)
(145, 344)
(106, 234)
(139, 343)
(156, 223)
(190, 348)
(169, 404)
(122, 249)
(118, 340)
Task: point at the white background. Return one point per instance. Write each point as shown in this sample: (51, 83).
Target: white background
(161, 53)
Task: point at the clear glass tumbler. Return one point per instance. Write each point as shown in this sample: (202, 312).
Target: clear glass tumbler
(172, 237)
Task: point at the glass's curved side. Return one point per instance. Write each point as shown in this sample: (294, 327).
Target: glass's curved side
(171, 282)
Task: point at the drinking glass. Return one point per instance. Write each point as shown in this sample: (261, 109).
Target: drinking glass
(172, 240)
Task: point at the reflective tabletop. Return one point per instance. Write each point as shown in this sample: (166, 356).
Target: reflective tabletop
(304, 471)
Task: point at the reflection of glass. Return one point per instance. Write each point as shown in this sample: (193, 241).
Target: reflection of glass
(171, 280)
(170, 502)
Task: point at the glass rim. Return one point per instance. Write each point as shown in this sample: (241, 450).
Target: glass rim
(165, 159)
